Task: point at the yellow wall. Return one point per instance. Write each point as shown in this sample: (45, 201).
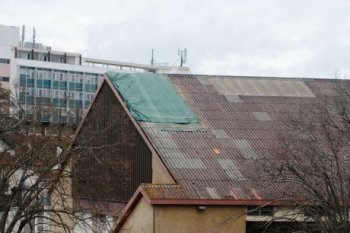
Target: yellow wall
(61, 200)
(140, 220)
(159, 173)
(182, 219)
(5, 70)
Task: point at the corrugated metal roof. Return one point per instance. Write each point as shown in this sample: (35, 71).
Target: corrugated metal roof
(185, 163)
(219, 133)
(212, 193)
(255, 87)
(262, 116)
(224, 159)
(233, 98)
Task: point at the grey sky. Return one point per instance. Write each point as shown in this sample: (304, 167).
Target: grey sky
(236, 37)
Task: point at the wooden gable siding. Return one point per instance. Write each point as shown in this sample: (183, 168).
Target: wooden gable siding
(112, 159)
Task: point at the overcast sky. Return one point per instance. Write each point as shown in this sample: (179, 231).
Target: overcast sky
(232, 37)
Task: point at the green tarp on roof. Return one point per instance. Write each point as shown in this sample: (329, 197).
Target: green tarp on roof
(152, 98)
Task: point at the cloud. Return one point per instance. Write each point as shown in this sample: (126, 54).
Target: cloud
(270, 37)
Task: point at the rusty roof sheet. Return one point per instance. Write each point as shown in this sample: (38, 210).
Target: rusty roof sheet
(242, 118)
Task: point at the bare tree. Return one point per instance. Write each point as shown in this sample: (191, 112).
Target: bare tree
(35, 174)
(315, 163)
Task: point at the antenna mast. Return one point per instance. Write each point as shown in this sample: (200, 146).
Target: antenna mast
(34, 32)
(23, 34)
(183, 56)
(152, 59)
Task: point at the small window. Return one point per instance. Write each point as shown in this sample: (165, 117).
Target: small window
(4, 79)
(260, 211)
(4, 61)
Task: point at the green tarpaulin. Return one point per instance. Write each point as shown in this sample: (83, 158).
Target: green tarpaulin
(152, 98)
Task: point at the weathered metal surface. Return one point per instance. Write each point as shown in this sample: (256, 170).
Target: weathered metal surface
(262, 116)
(265, 87)
(116, 160)
(243, 119)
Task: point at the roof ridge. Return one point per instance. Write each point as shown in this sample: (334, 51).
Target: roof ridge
(149, 185)
(255, 77)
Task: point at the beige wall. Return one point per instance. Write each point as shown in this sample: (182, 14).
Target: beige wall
(61, 200)
(5, 70)
(5, 85)
(159, 173)
(140, 220)
(182, 219)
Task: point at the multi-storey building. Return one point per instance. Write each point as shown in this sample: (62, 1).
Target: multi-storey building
(55, 85)
(58, 93)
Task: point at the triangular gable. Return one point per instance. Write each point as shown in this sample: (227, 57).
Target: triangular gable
(106, 81)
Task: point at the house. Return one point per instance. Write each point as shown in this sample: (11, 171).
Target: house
(184, 153)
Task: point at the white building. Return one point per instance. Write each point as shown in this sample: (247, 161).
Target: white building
(60, 84)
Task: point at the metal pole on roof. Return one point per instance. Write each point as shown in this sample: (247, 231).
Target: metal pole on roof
(23, 34)
(34, 32)
(152, 59)
(183, 56)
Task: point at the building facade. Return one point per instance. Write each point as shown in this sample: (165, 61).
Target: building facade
(55, 86)
(59, 95)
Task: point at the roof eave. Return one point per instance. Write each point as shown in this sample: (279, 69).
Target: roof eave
(219, 202)
(129, 208)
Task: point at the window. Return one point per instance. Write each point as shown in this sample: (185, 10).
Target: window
(47, 199)
(89, 96)
(260, 211)
(23, 70)
(4, 61)
(4, 79)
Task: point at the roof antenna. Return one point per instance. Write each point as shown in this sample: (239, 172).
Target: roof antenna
(34, 32)
(183, 56)
(23, 34)
(152, 59)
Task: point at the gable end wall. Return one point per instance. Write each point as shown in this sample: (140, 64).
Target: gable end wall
(113, 159)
